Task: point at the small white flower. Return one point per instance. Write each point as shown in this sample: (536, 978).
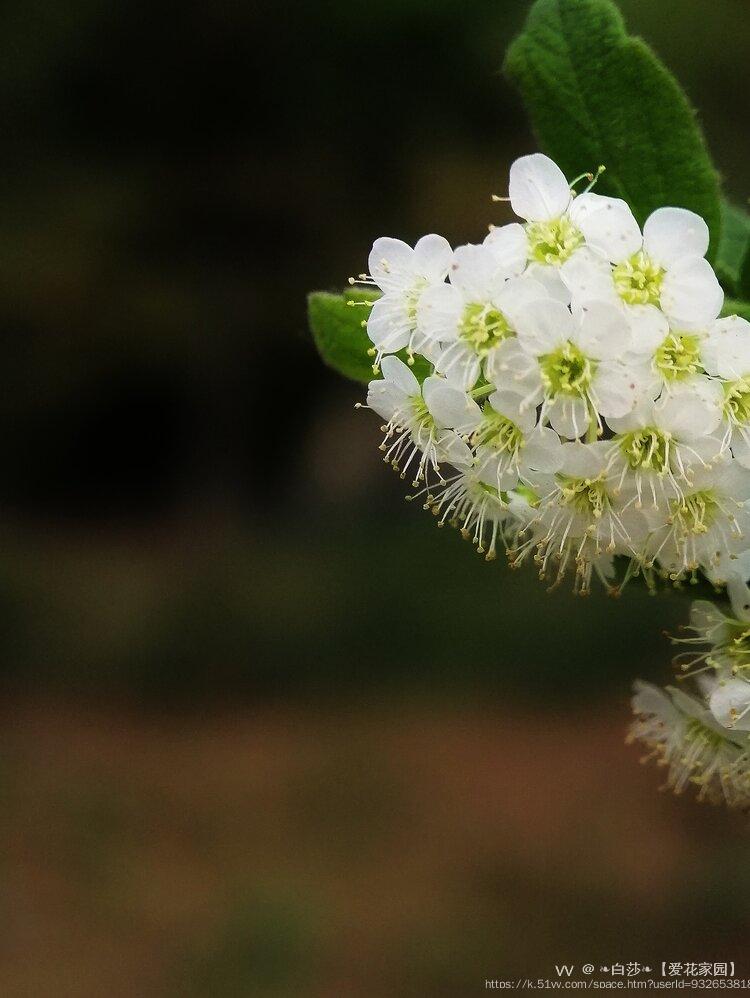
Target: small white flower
(580, 522)
(729, 702)
(725, 633)
(413, 434)
(684, 359)
(725, 352)
(569, 363)
(709, 518)
(466, 501)
(659, 444)
(403, 274)
(684, 737)
(511, 445)
(540, 194)
(467, 320)
(661, 271)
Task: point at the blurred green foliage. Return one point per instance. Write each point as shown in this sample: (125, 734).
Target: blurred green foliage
(596, 95)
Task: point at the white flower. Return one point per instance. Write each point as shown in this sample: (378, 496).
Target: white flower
(412, 432)
(466, 321)
(508, 441)
(729, 702)
(540, 194)
(568, 363)
(403, 274)
(475, 507)
(710, 517)
(683, 359)
(580, 521)
(658, 445)
(661, 271)
(725, 633)
(685, 738)
(725, 354)
(511, 445)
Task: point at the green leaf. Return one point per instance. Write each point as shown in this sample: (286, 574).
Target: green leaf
(732, 262)
(597, 95)
(338, 333)
(735, 306)
(341, 339)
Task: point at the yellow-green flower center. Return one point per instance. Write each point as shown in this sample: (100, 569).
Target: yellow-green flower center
(737, 400)
(638, 280)
(422, 415)
(694, 514)
(412, 297)
(646, 449)
(678, 357)
(587, 496)
(697, 732)
(553, 242)
(483, 327)
(737, 648)
(567, 371)
(498, 432)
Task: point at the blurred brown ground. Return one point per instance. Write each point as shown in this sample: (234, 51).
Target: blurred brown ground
(355, 852)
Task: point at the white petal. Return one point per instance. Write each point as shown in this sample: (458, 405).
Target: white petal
(583, 460)
(542, 326)
(494, 469)
(648, 328)
(641, 416)
(510, 247)
(735, 482)
(691, 296)
(386, 398)
(459, 364)
(538, 188)
(439, 312)
(604, 331)
(510, 404)
(432, 257)
(400, 374)
(739, 593)
(391, 263)
(608, 225)
(510, 368)
(450, 407)
(708, 618)
(725, 350)
(671, 233)
(730, 704)
(451, 448)
(588, 277)
(616, 390)
(475, 272)
(649, 699)
(516, 293)
(569, 417)
(741, 450)
(387, 324)
(686, 416)
(549, 277)
(543, 451)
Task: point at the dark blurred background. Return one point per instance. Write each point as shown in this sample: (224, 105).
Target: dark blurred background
(266, 731)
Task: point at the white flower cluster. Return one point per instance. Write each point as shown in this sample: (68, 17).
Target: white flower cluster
(583, 400)
(704, 739)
